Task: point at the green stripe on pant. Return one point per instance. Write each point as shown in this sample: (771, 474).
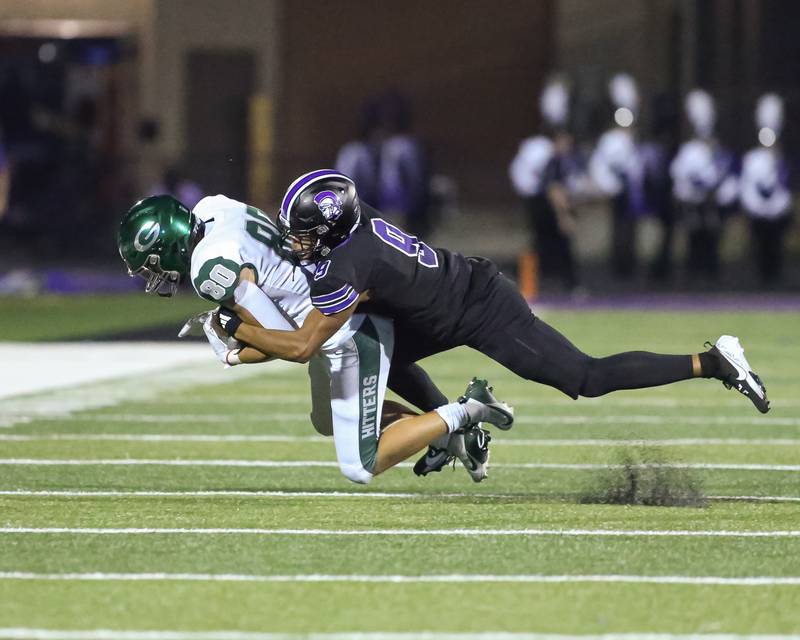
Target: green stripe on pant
(369, 368)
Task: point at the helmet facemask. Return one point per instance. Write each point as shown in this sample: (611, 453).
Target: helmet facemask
(307, 246)
(163, 282)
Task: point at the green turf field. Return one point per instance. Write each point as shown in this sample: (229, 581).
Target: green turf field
(53, 317)
(215, 507)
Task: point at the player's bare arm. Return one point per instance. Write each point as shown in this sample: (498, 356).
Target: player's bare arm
(295, 346)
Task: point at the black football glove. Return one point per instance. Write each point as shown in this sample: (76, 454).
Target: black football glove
(229, 321)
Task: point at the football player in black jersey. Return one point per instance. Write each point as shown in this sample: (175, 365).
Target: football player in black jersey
(440, 299)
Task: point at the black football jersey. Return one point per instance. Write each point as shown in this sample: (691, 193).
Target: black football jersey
(407, 279)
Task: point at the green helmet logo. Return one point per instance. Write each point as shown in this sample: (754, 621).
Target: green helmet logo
(155, 240)
(147, 236)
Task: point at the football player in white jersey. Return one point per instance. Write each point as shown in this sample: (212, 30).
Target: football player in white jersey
(235, 257)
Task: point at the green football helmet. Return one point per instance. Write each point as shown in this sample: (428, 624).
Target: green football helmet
(156, 238)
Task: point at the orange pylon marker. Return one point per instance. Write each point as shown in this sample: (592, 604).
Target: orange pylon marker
(528, 275)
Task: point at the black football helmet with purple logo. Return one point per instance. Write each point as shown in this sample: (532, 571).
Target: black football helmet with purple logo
(318, 212)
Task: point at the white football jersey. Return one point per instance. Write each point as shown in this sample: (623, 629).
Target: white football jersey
(528, 167)
(764, 184)
(694, 172)
(236, 236)
(700, 170)
(615, 157)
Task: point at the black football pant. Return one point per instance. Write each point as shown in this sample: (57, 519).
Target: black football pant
(412, 383)
(503, 327)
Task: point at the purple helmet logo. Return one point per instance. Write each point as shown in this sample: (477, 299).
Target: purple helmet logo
(329, 205)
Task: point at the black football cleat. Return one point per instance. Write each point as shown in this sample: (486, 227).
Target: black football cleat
(433, 461)
(484, 407)
(471, 446)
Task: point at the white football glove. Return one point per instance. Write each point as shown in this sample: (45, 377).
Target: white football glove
(226, 349)
(189, 325)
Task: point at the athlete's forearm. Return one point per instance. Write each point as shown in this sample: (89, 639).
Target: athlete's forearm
(286, 345)
(250, 355)
(296, 346)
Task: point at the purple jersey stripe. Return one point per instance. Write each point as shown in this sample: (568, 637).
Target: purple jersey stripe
(340, 306)
(301, 182)
(330, 297)
(323, 305)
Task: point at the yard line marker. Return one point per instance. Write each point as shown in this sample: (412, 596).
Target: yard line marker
(159, 437)
(617, 533)
(405, 579)
(634, 442)
(514, 399)
(708, 466)
(316, 494)
(756, 498)
(507, 442)
(126, 634)
(168, 462)
(245, 494)
(715, 420)
(179, 462)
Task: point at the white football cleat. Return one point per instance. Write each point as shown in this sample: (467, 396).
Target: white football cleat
(735, 372)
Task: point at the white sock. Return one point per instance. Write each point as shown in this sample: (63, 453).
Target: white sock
(441, 442)
(455, 415)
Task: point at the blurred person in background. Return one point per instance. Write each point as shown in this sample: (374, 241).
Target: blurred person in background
(764, 190)
(359, 158)
(5, 179)
(403, 172)
(539, 174)
(704, 185)
(388, 162)
(663, 145)
(623, 168)
(175, 183)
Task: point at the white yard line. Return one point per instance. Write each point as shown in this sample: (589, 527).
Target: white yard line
(25, 633)
(160, 437)
(241, 494)
(170, 462)
(499, 441)
(756, 498)
(619, 400)
(262, 417)
(316, 494)
(647, 533)
(749, 581)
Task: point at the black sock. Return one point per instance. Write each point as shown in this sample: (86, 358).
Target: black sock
(709, 364)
